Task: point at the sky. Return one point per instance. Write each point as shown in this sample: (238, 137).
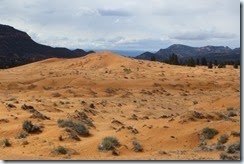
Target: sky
(125, 24)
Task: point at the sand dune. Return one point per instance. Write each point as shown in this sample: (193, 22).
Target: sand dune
(161, 106)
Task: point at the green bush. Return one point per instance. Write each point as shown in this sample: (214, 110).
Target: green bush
(72, 134)
(79, 127)
(230, 109)
(235, 134)
(223, 139)
(109, 143)
(5, 142)
(60, 150)
(220, 147)
(60, 138)
(92, 105)
(65, 123)
(29, 127)
(195, 102)
(209, 133)
(221, 65)
(224, 156)
(22, 135)
(232, 114)
(127, 70)
(233, 148)
(137, 146)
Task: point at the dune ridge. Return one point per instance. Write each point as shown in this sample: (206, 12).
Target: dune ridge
(161, 106)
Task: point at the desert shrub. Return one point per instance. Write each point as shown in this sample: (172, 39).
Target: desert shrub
(222, 66)
(110, 90)
(219, 146)
(72, 134)
(25, 142)
(5, 142)
(60, 138)
(156, 85)
(92, 105)
(222, 116)
(12, 99)
(230, 109)
(209, 133)
(82, 117)
(35, 113)
(83, 102)
(235, 134)
(223, 139)
(210, 65)
(79, 127)
(127, 70)
(56, 94)
(115, 152)
(195, 102)
(232, 114)
(233, 148)
(60, 150)
(55, 104)
(88, 122)
(4, 120)
(27, 107)
(22, 135)
(29, 127)
(235, 66)
(64, 123)
(137, 146)
(224, 156)
(11, 106)
(109, 143)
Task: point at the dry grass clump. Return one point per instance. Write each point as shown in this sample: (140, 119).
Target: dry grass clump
(79, 127)
(109, 143)
(30, 128)
(5, 142)
(209, 133)
(137, 146)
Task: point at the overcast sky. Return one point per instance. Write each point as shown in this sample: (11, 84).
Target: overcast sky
(125, 24)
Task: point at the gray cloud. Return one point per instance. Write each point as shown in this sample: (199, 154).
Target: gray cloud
(143, 44)
(113, 12)
(125, 24)
(202, 35)
(131, 44)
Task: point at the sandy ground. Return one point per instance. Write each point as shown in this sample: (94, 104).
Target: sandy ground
(163, 107)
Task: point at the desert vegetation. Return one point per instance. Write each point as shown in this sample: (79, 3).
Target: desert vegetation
(30, 128)
(79, 128)
(105, 106)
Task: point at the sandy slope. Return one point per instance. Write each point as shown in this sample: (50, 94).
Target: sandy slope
(119, 87)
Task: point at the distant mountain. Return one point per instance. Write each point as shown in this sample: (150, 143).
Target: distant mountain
(146, 56)
(17, 48)
(220, 53)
